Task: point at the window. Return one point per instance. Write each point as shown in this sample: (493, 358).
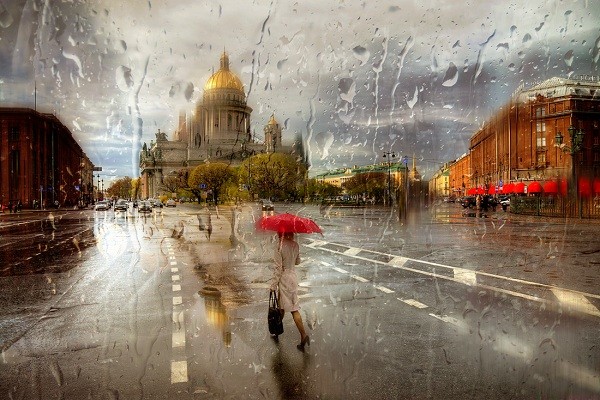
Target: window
(540, 127)
(13, 133)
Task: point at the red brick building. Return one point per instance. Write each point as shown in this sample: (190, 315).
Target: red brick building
(40, 161)
(518, 143)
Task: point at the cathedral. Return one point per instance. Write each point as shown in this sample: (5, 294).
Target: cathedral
(218, 130)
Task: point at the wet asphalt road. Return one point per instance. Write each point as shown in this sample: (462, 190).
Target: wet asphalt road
(440, 306)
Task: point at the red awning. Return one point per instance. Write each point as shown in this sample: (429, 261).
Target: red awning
(596, 185)
(519, 188)
(472, 191)
(480, 190)
(585, 187)
(562, 187)
(534, 187)
(551, 187)
(492, 190)
(508, 188)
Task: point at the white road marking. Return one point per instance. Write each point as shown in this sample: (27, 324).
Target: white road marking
(575, 301)
(464, 279)
(383, 289)
(174, 269)
(413, 302)
(178, 339)
(175, 278)
(325, 263)
(177, 300)
(343, 271)
(352, 251)
(179, 371)
(176, 288)
(173, 263)
(359, 278)
(444, 318)
(398, 261)
(465, 276)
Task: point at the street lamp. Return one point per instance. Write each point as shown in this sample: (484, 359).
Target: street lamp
(389, 155)
(575, 148)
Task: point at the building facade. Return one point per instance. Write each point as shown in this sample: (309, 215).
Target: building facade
(519, 143)
(217, 131)
(41, 164)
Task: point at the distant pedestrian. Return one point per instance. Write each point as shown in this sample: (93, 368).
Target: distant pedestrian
(19, 206)
(209, 228)
(285, 281)
(10, 207)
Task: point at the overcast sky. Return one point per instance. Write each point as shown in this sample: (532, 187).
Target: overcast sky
(356, 79)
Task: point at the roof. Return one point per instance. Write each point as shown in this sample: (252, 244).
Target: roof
(224, 78)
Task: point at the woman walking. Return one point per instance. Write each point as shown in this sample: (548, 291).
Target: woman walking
(285, 280)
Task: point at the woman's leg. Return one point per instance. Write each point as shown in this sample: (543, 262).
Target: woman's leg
(298, 320)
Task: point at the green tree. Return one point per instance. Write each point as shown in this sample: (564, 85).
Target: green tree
(370, 184)
(121, 188)
(273, 175)
(175, 182)
(213, 175)
(323, 190)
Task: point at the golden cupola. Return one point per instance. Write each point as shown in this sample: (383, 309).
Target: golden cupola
(224, 78)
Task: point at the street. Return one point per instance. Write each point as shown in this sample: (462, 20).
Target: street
(442, 305)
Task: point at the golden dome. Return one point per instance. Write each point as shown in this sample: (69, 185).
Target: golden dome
(272, 121)
(224, 78)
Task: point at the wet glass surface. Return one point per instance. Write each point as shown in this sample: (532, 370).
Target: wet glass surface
(442, 302)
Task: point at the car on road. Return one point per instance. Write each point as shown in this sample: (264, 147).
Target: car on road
(101, 206)
(144, 206)
(267, 205)
(171, 203)
(120, 205)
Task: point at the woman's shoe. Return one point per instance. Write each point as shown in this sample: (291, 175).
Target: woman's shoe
(304, 342)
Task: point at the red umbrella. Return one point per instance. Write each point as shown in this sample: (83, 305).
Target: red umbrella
(287, 223)
(534, 187)
(551, 187)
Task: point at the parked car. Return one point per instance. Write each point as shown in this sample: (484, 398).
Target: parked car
(170, 203)
(144, 206)
(120, 205)
(469, 202)
(101, 206)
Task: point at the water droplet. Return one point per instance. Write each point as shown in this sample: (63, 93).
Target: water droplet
(568, 57)
(361, 54)
(6, 18)
(451, 76)
(124, 79)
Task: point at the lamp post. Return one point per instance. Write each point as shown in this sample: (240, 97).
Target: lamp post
(574, 149)
(389, 155)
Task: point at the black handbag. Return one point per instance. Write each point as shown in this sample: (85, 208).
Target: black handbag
(274, 317)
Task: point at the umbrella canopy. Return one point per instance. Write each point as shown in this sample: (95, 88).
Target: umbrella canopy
(282, 223)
